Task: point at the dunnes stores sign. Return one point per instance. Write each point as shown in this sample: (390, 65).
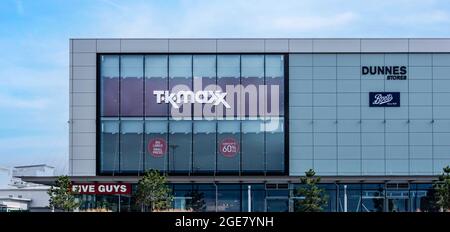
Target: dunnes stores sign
(391, 72)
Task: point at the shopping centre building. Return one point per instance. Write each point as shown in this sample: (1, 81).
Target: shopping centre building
(234, 123)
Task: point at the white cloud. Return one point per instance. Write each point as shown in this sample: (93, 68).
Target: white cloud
(9, 102)
(303, 23)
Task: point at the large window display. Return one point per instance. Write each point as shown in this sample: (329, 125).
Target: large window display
(192, 114)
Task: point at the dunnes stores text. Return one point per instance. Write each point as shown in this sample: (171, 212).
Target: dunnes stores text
(391, 72)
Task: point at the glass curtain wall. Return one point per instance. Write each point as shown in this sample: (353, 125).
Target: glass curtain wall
(139, 134)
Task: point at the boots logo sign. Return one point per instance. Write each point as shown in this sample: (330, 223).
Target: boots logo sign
(384, 99)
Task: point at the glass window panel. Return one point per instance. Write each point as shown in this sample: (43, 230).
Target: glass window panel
(252, 146)
(252, 65)
(274, 65)
(180, 146)
(275, 149)
(156, 142)
(228, 66)
(202, 198)
(204, 65)
(109, 143)
(180, 73)
(275, 86)
(228, 198)
(155, 79)
(109, 85)
(131, 140)
(204, 79)
(204, 142)
(258, 196)
(229, 137)
(131, 85)
(180, 66)
(228, 73)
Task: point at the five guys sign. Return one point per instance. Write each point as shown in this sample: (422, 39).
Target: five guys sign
(102, 188)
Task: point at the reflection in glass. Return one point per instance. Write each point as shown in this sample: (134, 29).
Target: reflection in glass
(180, 146)
(131, 145)
(228, 198)
(228, 147)
(109, 85)
(131, 86)
(204, 143)
(156, 144)
(109, 142)
(275, 149)
(252, 146)
(155, 79)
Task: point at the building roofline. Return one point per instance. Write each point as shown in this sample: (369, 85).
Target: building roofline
(257, 38)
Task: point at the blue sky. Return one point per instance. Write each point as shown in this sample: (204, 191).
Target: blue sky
(34, 38)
